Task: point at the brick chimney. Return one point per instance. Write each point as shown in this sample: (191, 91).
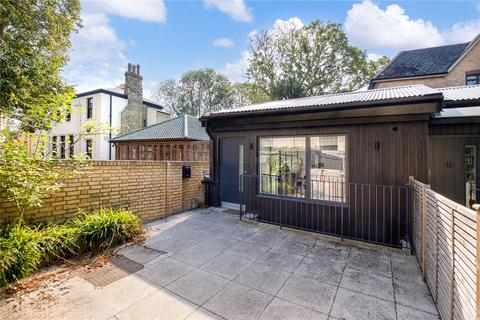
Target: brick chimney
(134, 115)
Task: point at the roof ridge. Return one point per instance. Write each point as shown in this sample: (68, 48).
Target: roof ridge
(460, 87)
(434, 47)
(150, 126)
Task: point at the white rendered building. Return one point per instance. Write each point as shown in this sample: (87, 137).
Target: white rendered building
(122, 108)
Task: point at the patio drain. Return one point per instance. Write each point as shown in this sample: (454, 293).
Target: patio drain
(117, 268)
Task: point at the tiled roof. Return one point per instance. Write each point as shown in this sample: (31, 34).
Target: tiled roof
(341, 100)
(180, 128)
(422, 62)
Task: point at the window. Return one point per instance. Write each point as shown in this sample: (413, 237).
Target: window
(473, 79)
(68, 115)
(285, 166)
(470, 175)
(62, 147)
(71, 146)
(54, 146)
(327, 173)
(89, 108)
(283, 160)
(89, 148)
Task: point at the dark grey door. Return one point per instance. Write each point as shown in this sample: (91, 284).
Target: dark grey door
(232, 151)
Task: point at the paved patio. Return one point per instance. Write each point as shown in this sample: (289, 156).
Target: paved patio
(206, 264)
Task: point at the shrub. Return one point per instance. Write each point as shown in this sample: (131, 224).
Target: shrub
(24, 249)
(106, 227)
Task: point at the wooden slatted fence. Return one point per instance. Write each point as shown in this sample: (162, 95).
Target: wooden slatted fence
(446, 240)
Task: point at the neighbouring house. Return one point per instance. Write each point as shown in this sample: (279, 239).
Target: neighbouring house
(438, 67)
(179, 139)
(123, 108)
(454, 133)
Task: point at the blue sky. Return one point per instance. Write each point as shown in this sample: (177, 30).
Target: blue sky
(168, 38)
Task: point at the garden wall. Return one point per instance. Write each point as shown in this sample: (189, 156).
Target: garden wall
(150, 189)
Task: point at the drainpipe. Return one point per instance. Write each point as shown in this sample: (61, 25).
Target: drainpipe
(110, 130)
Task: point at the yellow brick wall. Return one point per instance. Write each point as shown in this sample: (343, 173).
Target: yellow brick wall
(150, 189)
(456, 77)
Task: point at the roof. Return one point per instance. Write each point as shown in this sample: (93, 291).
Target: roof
(349, 100)
(117, 92)
(423, 62)
(180, 128)
(462, 95)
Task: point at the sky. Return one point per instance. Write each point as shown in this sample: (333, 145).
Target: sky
(168, 38)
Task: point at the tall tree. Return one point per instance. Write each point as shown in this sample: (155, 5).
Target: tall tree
(197, 93)
(292, 60)
(34, 41)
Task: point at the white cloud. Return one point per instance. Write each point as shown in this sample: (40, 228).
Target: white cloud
(462, 32)
(223, 42)
(370, 27)
(96, 58)
(236, 9)
(236, 71)
(145, 10)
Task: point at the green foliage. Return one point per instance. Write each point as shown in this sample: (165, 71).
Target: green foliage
(24, 249)
(197, 93)
(34, 42)
(105, 227)
(292, 61)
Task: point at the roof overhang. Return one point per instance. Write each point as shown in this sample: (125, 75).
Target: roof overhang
(354, 109)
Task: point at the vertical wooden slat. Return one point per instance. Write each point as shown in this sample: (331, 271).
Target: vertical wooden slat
(478, 264)
(424, 227)
(453, 264)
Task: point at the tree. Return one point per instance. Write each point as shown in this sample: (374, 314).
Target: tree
(245, 93)
(34, 42)
(292, 60)
(197, 93)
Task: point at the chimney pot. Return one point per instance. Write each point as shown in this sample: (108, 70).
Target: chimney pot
(138, 69)
(129, 67)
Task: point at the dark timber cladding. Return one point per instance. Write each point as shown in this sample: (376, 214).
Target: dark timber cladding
(402, 152)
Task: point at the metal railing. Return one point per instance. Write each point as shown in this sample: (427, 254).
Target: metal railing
(329, 205)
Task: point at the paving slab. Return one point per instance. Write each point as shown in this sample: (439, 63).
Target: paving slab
(415, 295)
(117, 268)
(351, 305)
(329, 251)
(264, 278)
(140, 254)
(238, 302)
(309, 293)
(369, 264)
(197, 286)
(166, 271)
(159, 305)
(280, 309)
(321, 270)
(290, 245)
(282, 260)
(202, 314)
(196, 255)
(406, 313)
(266, 237)
(248, 250)
(226, 265)
(170, 245)
(368, 283)
(219, 243)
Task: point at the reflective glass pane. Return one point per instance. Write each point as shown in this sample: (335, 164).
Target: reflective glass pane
(327, 173)
(282, 166)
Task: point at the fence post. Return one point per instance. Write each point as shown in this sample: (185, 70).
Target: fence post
(478, 264)
(425, 187)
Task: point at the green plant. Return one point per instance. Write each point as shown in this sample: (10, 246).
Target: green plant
(106, 227)
(24, 248)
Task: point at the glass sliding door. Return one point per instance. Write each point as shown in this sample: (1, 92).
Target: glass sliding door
(283, 166)
(471, 175)
(327, 173)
